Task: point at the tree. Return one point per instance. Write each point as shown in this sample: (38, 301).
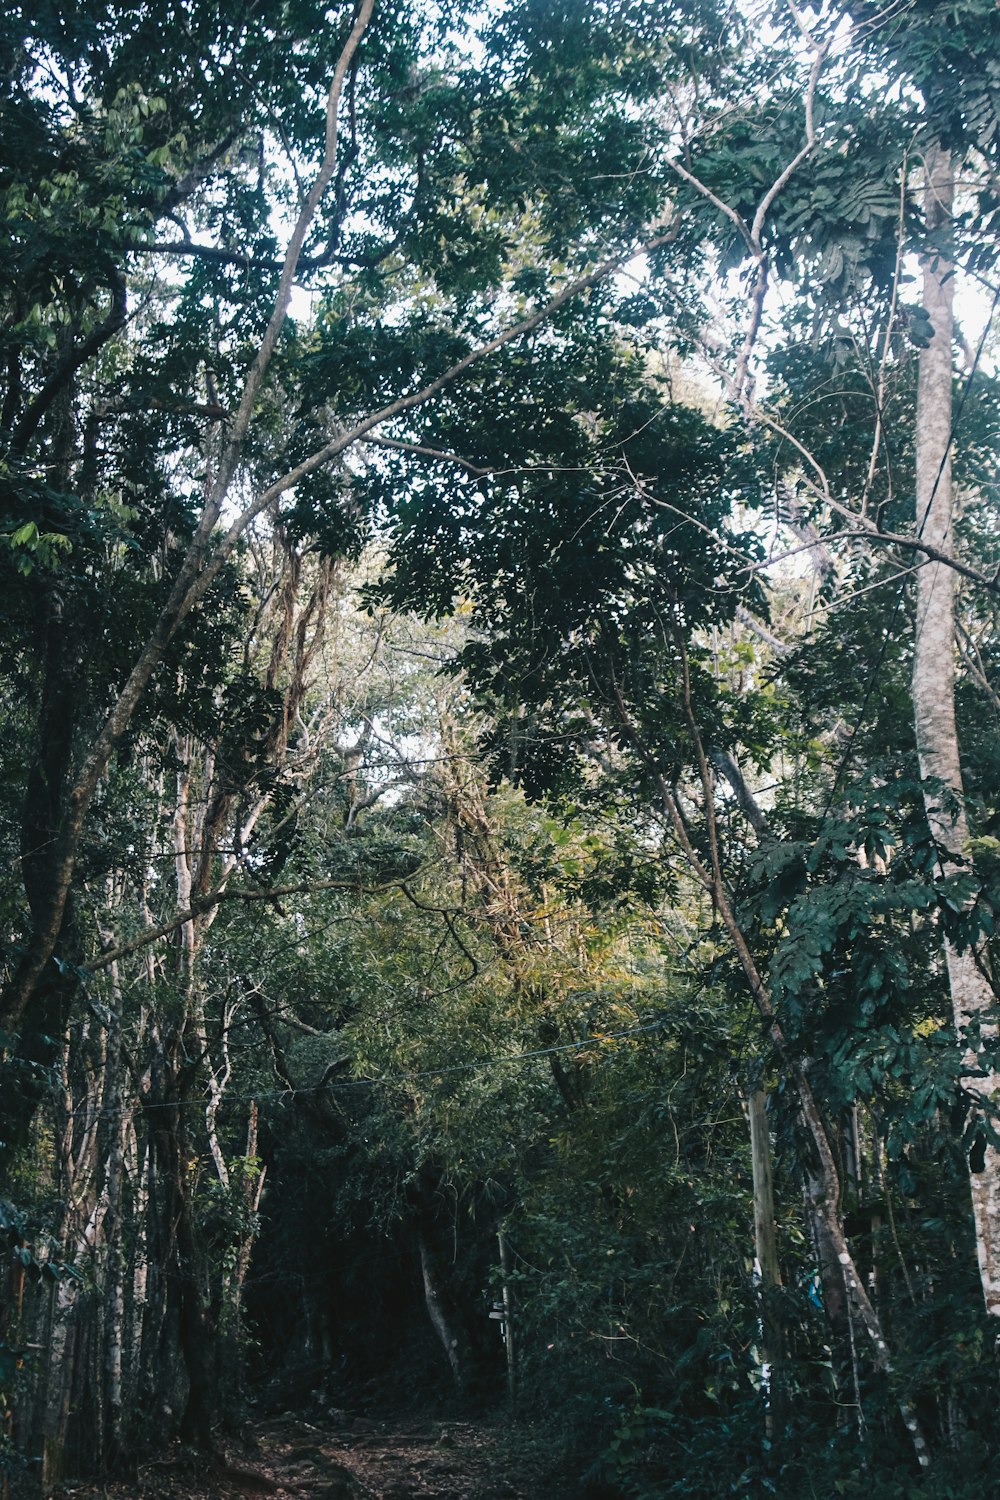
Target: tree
(953, 120)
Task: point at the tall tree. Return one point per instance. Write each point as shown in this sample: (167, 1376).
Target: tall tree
(934, 652)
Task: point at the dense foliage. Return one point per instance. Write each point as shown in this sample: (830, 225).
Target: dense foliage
(486, 911)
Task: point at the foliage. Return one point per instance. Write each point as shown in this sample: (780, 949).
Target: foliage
(445, 800)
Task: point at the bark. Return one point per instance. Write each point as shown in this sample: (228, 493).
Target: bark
(766, 1244)
(24, 1080)
(67, 1416)
(117, 1129)
(765, 1239)
(508, 1316)
(194, 1325)
(934, 690)
(231, 1330)
(831, 1276)
(727, 765)
(60, 1356)
(439, 1311)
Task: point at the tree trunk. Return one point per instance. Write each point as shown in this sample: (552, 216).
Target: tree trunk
(116, 1133)
(24, 1081)
(934, 683)
(438, 1310)
(508, 1316)
(60, 1355)
(195, 1329)
(769, 1270)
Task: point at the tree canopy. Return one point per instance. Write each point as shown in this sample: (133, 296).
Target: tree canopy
(498, 525)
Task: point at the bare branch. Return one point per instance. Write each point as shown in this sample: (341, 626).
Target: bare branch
(751, 233)
(761, 631)
(972, 657)
(887, 341)
(820, 51)
(868, 528)
(727, 764)
(724, 208)
(424, 452)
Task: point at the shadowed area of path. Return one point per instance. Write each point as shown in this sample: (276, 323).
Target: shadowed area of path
(345, 1459)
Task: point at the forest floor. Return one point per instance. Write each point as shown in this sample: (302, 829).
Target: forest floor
(344, 1458)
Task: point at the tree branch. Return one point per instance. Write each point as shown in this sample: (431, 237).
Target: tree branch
(868, 528)
(215, 898)
(331, 450)
(216, 255)
(424, 452)
(725, 762)
(71, 362)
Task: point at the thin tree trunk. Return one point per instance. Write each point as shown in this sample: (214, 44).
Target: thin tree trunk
(508, 1316)
(233, 1281)
(117, 1128)
(61, 1356)
(766, 1244)
(195, 1326)
(934, 686)
(436, 1299)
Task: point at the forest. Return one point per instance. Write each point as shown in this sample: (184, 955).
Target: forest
(500, 791)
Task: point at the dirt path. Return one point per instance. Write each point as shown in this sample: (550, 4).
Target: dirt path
(369, 1461)
(344, 1459)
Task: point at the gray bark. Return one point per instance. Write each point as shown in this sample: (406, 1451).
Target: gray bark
(934, 683)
